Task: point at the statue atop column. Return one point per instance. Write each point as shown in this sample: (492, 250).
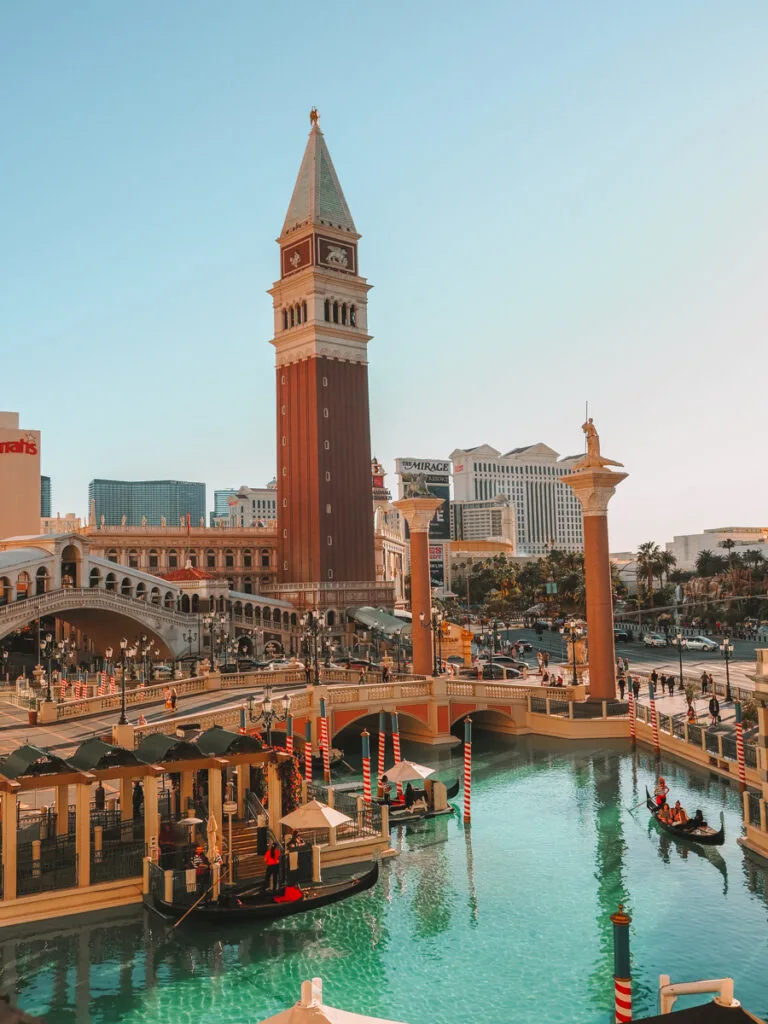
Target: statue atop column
(593, 458)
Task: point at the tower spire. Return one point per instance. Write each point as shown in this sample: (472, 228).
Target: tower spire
(317, 199)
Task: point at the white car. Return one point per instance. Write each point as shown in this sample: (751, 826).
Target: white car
(700, 643)
(654, 640)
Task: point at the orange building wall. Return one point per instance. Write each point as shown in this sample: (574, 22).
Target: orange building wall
(19, 478)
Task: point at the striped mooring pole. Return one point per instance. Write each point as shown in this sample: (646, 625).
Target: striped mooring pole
(308, 753)
(622, 978)
(382, 741)
(366, 766)
(467, 769)
(740, 747)
(396, 745)
(631, 703)
(324, 741)
(654, 719)
(289, 733)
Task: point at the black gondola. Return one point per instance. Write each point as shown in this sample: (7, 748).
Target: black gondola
(453, 790)
(706, 836)
(250, 904)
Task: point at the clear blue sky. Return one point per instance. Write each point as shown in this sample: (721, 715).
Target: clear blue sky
(558, 202)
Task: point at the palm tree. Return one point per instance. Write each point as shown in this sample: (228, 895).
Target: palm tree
(729, 545)
(667, 561)
(648, 556)
(708, 563)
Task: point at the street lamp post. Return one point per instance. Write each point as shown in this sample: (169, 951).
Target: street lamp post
(46, 650)
(268, 714)
(573, 634)
(679, 641)
(726, 649)
(313, 624)
(123, 650)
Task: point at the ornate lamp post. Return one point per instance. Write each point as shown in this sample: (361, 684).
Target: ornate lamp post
(572, 633)
(726, 649)
(269, 713)
(215, 624)
(679, 642)
(123, 653)
(108, 661)
(313, 624)
(46, 650)
(434, 623)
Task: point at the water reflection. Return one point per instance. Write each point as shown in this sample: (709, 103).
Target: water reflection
(474, 915)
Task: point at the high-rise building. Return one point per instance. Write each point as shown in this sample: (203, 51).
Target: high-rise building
(221, 504)
(484, 520)
(146, 502)
(325, 525)
(548, 512)
(19, 478)
(45, 497)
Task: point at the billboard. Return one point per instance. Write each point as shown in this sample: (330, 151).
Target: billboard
(437, 566)
(434, 477)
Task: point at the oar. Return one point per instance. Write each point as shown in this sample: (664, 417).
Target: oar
(199, 901)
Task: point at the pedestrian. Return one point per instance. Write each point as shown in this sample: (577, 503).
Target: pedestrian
(99, 797)
(662, 684)
(704, 680)
(622, 685)
(272, 865)
(711, 684)
(714, 709)
(138, 799)
(361, 677)
(626, 664)
(654, 678)
(540, 660)
(671, 684)
(385, 674)
(545, 656)
(636, 687)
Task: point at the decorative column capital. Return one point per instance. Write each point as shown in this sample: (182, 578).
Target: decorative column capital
(594, 487)
(418, 512)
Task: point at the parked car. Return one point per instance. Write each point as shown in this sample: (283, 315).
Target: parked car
(621, 636)
(496, 671)
(700, 643)
(523, 645)
(654, 640)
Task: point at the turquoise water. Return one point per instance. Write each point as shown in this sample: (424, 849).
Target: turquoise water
(503, 921)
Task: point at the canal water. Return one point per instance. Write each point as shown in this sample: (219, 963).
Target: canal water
(503, 921)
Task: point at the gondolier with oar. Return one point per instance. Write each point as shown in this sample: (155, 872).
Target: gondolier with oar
(661, 791)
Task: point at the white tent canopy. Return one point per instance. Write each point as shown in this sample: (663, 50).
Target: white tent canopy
(408, 771)
(310, 1010)
(314, 815)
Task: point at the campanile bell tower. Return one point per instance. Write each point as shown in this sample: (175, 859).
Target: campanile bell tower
(325, 521)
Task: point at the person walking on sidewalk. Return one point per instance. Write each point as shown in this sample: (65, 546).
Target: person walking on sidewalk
(622, 686)
(714, 709)
(636, 687)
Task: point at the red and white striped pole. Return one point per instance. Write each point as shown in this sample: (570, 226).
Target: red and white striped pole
(289, 733)
(740, 747)
(366, 766)
(308, 753)
(382, 741)
(112, 685)
(467, 770)
(654, 719)
(622, 978)
(631, 703)
(325, 743)
(396, 746)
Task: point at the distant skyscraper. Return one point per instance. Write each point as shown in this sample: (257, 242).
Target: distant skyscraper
(248, 506)
(45, 497)
(151, 499)
(221, 504)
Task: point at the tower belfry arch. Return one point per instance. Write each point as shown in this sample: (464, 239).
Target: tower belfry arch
(325, 520)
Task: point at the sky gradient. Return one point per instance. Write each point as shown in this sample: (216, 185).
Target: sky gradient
(558, 203)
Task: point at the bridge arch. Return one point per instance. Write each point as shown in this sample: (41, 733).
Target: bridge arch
(42, 580)
(366, 718)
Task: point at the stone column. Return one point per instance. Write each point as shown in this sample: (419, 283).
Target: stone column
(594, 486)
(62, 810)
(214, 796)
(126, 798)
(418, 514)
(151, 816)
(185, 790)
(275, 799)
(83, 834)
(10, 839)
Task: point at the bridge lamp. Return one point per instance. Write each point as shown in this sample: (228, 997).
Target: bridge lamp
(123, 716)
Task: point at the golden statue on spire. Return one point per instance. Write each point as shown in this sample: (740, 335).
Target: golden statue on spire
(314, 118)
(593, 456)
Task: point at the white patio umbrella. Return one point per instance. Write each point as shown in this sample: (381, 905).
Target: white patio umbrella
(211, 828)
(314, 815)
(311, 1010)
(408, 771)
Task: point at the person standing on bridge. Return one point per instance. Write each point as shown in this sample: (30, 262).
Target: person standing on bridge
(174, 699)
(622, 685)
(636, 687)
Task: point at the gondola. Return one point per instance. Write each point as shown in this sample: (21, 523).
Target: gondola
(706, 836)
(252, 905)
(453, 790)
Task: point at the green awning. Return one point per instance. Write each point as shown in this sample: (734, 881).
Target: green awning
(157, 747)
(97, 755)
(29, 760)
(217, 741)
(377, 618)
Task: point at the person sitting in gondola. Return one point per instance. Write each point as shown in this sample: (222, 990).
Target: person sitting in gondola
(664, 815)
(697, 821)
(386, 789)
(410, 796)
(661, 791)
(679, 817)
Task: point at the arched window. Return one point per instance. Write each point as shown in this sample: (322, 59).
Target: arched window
(265, 558)
(173, 559)
(238, 607)
(193, 559)
(293, 316)
(257, 614)
(276, 616)
(248, 609)
(330, 618)
(94, 578)
(112, 555)
(248, 585)
(265, 579)
(125, 587)
(294, 620)
(298, 314)
(304, 311)
(231, 583)
(195, 603)
(210, 558)
(141, 592)
(353, 316)
(170, 600)
(343, 312)
(22, 586)
(335, 312)
(154, 596)
(110, 583)
(285, 319)
(133, 559)
(229, 558)
(286, 620)
(327, 309)
(185, 602)
(247, 558)
(5, 590)
(154, 561)
(41, 580)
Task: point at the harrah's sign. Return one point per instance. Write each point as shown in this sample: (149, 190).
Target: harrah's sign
(20, 447)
